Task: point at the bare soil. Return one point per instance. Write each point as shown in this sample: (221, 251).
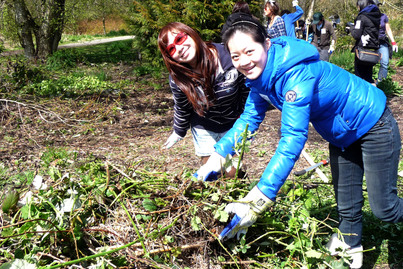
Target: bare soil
(128, 128)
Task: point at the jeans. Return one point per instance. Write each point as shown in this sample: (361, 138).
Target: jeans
(205, 140)
(324, 54)
(376, 155)
(383, 69)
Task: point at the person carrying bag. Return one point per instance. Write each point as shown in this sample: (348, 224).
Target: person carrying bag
(366, 31)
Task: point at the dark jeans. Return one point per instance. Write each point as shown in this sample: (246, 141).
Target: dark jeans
(363, 70)
(376, 155)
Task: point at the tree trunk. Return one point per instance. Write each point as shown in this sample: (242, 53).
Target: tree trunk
(103, 24)
(50, 31)
(26, 26)
(47, 27)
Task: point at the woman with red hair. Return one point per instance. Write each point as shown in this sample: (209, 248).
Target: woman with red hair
(209, 93)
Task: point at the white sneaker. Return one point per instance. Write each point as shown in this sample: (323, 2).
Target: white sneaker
(338, 247)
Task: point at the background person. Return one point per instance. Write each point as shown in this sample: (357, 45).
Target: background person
(347, 111)
(209, 93)
(324, 37)
(290, 18)
(385, 47)
(275, 24)
(366, 33)
(304, 30)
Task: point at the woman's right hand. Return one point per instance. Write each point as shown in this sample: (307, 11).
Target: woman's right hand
(172, 140)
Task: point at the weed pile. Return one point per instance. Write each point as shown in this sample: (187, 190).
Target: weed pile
(88, 212)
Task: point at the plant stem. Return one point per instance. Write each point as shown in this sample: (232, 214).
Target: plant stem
(89, 257)
(244, 138)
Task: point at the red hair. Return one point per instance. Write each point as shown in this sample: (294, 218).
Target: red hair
(183, 74)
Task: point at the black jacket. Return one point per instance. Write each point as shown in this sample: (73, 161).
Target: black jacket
(366, 28)
(230, 97)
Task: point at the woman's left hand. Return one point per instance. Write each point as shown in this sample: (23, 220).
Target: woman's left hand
(172, 140)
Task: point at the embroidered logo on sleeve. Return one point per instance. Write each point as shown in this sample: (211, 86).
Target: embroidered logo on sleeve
(290, 96)
(357, 25)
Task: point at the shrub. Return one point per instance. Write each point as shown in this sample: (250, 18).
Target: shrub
(19, 72)
(344, 59)
(62, 59)
(117, 33)
(68, 86)
(390, 87)
(148, 17)
(1, 46)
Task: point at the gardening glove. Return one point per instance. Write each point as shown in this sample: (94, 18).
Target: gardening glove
(211, 169)
(295, 3)
(331, 49)
(246, 211)
(395, 48)
(172, 140)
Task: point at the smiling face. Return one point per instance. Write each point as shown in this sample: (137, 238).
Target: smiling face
(248, 56)
(184, 52)
(267, 12)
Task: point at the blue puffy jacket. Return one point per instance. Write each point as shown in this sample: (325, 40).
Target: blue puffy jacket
(341, 106)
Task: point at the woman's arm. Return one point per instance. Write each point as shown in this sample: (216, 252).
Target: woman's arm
(297, 91)
(356, 31)
(390, 34)
(182, 111)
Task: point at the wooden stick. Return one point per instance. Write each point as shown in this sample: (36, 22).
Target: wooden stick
(317, 170)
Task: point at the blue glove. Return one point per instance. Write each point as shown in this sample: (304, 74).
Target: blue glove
(247, 211)
(212, 169)
(210, 176)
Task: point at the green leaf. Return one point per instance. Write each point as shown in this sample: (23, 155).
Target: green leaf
(313, 254)
(215, 197)
(221, 215)
(168, 239)
(149, 205)
(340, 264)
(195, 223)
(18, 263)
(10, 201)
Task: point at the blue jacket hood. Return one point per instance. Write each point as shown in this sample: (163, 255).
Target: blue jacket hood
(370, 8)
(284, 53)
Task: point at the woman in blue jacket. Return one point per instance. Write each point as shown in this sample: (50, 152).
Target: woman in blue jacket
(347, 111)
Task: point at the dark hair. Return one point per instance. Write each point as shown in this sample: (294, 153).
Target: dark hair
(241, 6)
(274, 8)
(284, 11)
(244, 24)
(364, 3)
(183, 75)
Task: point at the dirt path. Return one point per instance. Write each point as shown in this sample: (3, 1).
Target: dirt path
(95, 42)
(76, 45)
